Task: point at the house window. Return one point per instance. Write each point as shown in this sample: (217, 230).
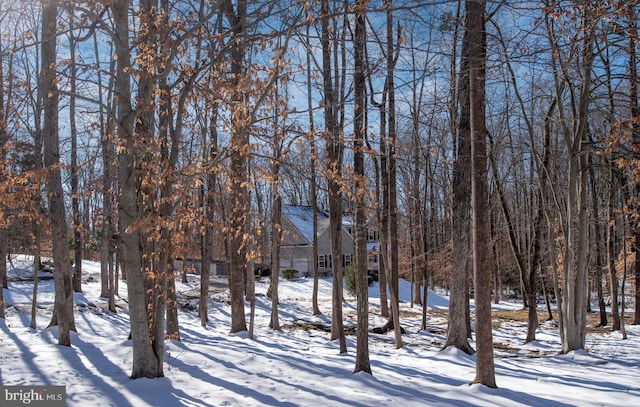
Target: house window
(347, 259)
(372, 235)
(324, 261)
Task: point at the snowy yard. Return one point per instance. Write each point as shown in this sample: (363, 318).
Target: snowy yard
(299, 366)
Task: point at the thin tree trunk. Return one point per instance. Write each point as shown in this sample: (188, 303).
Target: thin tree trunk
(313, 190)
(598, 246)
(3, 178)
(107, 134)
(527, 275)
(334, 163)
(362, 336)
(392, 191)
(209, 202)
(611, 247)
(635, 127)
(63, 307)
(75, 201)
(3, 271)
(276, 225)
(36, 278)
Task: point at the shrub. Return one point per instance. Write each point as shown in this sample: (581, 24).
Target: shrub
(350, 279)
(289, 274)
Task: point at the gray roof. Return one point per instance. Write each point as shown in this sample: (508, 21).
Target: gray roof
(301, 217)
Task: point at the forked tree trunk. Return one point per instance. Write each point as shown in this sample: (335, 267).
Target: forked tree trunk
(334, 170)
(576, 248)
(147, 345)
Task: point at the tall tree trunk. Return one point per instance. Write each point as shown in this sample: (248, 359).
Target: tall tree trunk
(276, 223)
(614, 179)
(107, 135)
(75, 201)
(3, 266)
(63, 307)
(209, 202)
(481, 236)
(362, 288)
(148, 347)
(382, 201)
(334, 170)
(457, 331)
(599, 265)
(635, 127)
(393, 275)
(417, 217)
(36, 268)
(314, 183)
(3, 179)
(239, 173)
(575, 266)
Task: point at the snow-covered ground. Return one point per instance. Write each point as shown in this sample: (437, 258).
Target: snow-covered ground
(298, 366)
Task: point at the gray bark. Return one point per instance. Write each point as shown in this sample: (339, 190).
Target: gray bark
(481, 236)
(63, 306)
(148, 348)
(239, 173)
(457, 331)
(362, 288)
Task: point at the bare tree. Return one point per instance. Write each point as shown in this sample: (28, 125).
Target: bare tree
(73, 130)
(334, 148)
(574, 275)
(393, 200)
(63, 307)
(481, 236)
(147, 323)
(313, 191)
(239, 173)
(362, 350)
(4, 138)
(459, 324)
(632, 16)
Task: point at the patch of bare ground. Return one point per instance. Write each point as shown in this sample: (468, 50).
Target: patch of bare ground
(312, 326)
(512, 316)
(436, 330)
(593, 322)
